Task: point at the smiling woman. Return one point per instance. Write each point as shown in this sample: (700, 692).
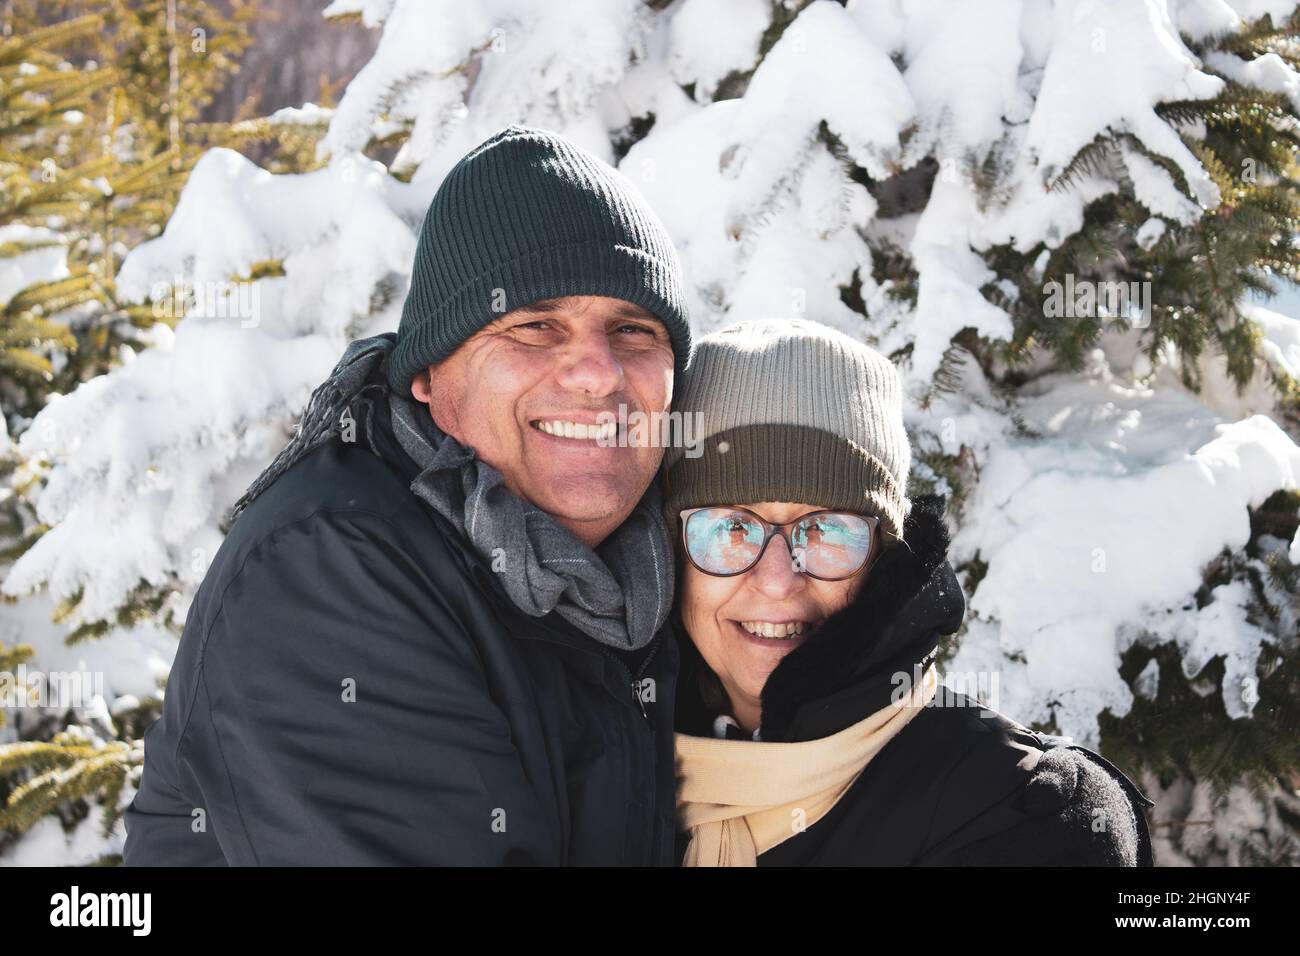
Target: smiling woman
(811, 724)
(803, 430)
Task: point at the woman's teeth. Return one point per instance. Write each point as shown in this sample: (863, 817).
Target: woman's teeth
(563, 429)
(768, 629)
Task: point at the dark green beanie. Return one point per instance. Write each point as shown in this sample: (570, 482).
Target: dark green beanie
(528, 215)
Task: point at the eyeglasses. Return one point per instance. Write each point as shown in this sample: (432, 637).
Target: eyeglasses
(726, 540)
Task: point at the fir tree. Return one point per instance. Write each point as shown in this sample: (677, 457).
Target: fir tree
(96, 143)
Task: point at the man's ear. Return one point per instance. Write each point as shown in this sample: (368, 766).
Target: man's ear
(422, 386)
(441, 406)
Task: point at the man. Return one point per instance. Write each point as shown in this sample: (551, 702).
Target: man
(433, 632)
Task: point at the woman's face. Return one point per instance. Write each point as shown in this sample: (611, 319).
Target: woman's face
(722, 614)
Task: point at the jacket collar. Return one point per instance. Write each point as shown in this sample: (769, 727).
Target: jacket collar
(851, 666)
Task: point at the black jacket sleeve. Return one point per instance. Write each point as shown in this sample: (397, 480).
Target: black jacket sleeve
(1075, 810)
(335, 712)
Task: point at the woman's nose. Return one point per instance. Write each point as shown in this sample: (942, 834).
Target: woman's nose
(776, 575)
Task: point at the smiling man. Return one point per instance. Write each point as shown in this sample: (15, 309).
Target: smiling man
(434, 633)
(537, 423)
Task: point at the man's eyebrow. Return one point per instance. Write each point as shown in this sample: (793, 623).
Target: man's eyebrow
(541, 307)
(624, 310)
(630, 310)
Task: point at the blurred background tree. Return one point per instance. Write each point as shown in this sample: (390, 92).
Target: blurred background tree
(105, 106)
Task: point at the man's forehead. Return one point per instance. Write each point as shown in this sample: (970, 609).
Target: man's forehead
(619, 307)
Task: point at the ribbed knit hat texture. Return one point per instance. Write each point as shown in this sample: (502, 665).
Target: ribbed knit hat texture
(791, 410)
(529, 215)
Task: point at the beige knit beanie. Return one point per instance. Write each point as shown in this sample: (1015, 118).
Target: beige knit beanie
(790, 410)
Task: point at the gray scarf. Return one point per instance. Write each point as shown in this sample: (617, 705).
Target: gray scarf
(618, 595)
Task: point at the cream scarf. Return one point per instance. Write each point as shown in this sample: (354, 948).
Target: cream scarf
(740, 798)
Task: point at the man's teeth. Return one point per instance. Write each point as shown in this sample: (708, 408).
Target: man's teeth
(563, 429)
(768, 629)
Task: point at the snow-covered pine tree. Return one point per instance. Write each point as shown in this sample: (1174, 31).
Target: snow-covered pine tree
(930, 175)
(94, 160)
(96, 141)
(42, 97)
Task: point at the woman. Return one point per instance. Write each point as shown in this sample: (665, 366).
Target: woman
(811, 596)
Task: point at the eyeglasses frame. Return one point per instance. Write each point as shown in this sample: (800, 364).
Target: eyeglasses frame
(772, 528)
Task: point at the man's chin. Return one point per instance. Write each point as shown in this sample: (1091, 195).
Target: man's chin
(585, 498)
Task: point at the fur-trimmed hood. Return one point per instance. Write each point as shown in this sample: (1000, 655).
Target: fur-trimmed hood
(848, 666)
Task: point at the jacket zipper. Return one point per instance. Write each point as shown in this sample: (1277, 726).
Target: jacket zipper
(631, 680)
(634, 680)
(661, 842)
(645, 666)
(660, 846)
(657, 838)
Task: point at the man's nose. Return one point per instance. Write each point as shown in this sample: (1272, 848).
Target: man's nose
(588, 364)
(775, 576)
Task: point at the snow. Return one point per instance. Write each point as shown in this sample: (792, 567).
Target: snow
(702, 54)
(821, 69)
(529, 70)
(309, 114)
(1268, 72)
(372, 12)
(963, 70)
(46, 844)
(1150, 233)
(1111, 62)
(47, 263)
(1200, 19)
(146, 450)
(949, 296)
(1250, 10)
(1220, 629)
(1193, 824)
(1108, 519)
(128, 663)
(151, 455)
(1152, 187)
(264, 217)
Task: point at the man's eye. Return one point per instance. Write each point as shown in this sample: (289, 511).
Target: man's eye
(536, 324)
(636, 328)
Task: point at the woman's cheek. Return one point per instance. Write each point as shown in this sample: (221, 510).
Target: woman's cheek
(700, 604)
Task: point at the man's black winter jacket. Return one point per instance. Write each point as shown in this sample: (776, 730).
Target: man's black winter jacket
(354, 687)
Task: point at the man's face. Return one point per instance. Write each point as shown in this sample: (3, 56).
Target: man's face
(550, 363)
